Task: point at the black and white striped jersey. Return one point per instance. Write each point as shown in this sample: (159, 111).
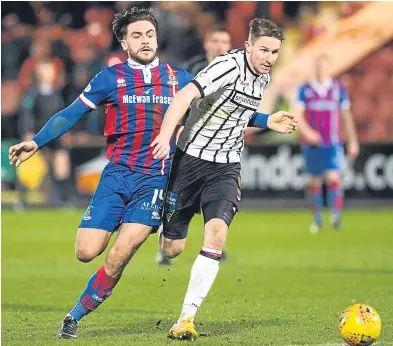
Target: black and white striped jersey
(231, 93)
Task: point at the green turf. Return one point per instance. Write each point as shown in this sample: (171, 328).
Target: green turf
(280, 286)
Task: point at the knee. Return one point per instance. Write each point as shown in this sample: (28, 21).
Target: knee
(216, 227)
(173, 248)
(90, 243)
(333, 179)
(61, 164)
(85, 255)
(315, 182)
(215, 234)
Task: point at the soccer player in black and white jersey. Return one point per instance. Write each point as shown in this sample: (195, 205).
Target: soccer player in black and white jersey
(224, 99)
(216, 42)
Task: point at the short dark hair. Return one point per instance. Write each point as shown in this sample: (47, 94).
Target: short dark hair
(125, 17)
(216, 28)
(264, 27)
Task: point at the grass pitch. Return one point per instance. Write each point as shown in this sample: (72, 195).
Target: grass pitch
(280, 286)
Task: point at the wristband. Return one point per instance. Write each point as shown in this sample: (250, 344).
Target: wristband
(260, 120)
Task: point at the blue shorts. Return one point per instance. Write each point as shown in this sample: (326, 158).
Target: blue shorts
(318, 160)
(124, 196)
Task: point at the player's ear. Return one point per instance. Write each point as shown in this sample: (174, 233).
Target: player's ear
(123, 45)
(205, 45)
(247, 44)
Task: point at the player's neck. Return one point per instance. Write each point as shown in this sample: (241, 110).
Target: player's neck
(209, 57)
(250, 67)
(136, 65)
(323, 80)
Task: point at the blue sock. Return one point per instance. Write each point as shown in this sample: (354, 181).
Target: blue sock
(97, 290)
(317, 205)
(335, 199)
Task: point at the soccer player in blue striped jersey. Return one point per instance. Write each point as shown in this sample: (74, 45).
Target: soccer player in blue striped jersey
(321, 104)
(129, 197)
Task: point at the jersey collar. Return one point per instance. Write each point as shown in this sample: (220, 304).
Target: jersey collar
(321, 88)
(138, 66)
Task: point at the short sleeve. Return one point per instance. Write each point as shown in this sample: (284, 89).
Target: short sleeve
(345, 103)
(97, 90)
(221, 72)
(186, 78)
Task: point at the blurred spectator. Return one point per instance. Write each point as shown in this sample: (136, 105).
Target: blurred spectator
(42, 99)
(40, 52)
(10, 100)
(178, 35)
(87, 62)
(219, 8)
(15, 44)
(217, 42)
(238, 17)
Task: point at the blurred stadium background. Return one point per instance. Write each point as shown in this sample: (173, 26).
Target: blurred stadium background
(280, 285)
(50, 50)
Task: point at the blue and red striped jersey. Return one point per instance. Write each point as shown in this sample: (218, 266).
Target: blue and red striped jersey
(323, 104)
(136, 98)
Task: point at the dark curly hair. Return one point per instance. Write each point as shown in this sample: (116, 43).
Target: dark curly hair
(125, 17)
(264, 27)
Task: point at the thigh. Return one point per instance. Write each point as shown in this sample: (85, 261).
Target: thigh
(222, 184)
(146, 200)
(185, 182)
(130, 237)
(177, 222)
(314, 160)
(183, 195)
(92, 241)
(222, 209)
(106, 207)
(334, 159)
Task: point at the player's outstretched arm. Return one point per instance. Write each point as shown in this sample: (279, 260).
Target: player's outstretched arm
(353, 144)
(173, 115)
(58, 124)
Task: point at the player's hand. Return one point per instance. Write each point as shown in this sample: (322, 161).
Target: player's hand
(353, 149)
(314, 138)
(21, 152)
(161, 147)
(282, 122)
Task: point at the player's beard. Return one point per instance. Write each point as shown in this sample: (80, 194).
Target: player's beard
(141, 60)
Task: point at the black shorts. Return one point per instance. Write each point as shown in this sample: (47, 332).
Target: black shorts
(55, 144)
(196, 184)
